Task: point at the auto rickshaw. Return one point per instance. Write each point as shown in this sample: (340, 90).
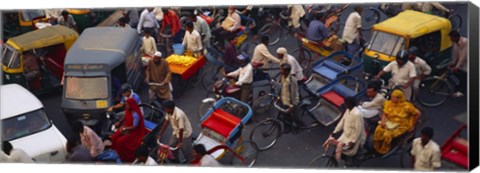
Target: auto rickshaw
(410, 28)
(35, 59)
(88, 18)
(28, 18)
(100, 61)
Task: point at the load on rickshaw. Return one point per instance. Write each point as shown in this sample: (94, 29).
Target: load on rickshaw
(35, 59)
(429, 33)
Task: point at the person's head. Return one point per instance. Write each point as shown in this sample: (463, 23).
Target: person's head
(426, 134)
(7, 147)
(122, 21)
(157, 57)
(189, 26)
(165, 11)
(141, 154)
(454, 36)
(77, 127)
(192, 17)
(412, 53)
(146, 32)
(265, 39)
(319, 16)
(402, 57)
(359, 9)
(168, 106)
(231, 9)
(372, 89)
(285, 69)
(126, 89)
(281, 52)
(65, 14)
(231, 39)
(199, 150)
(397, 96)
(350, 102)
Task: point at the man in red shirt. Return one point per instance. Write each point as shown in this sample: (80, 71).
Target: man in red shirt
(170, 25)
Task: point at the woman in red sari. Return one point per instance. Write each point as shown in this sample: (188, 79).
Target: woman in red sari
(129, 136)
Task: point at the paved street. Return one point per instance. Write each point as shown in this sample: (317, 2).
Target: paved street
(295, 151)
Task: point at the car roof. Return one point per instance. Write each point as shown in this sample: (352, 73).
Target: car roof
(16, 100)
(103, 45)
(43, 37)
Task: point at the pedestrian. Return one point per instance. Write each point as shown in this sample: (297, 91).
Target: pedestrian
(289, 94)
(148, 21)
(77, 152)
(352, 131)
(285, 58)
(261, 57)
(459, 61)
(425, 152)
(67, 20)
(149, 46)
(159, 72)
(202, 158)
(122, 23)
(421, 67)
(127, 92)
(244, 76)
(352, 32)
(296, 13)
(317, 31)
(128, 137)
(403, 73)
(142, 157)
(171, 24)
(88, 138)
(192, 39)
(182, 130)
(131, 14)
(202, 27)
(13, 155)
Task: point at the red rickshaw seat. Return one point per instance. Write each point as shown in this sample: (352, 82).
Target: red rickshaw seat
(456, 152)
(221, 122)
(334, 98)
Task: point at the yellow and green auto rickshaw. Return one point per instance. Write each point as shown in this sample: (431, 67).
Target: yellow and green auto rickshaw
(429, 33)
(35, 59)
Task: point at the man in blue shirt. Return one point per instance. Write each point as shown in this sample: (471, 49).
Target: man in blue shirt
(127, 93)
(316, 29)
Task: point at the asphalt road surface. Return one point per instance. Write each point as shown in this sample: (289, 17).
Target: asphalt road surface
(296, 151)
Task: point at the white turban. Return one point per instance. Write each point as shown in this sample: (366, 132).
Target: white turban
(159, 54)
(282, 50)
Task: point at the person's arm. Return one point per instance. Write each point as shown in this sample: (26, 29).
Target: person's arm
(412, 74)
(234, 73)
(267, 54)
(436, 159)
(462, 55)
(185, 40)
(199, 42)
(416, 114)
(426, 69)
(140, 23)
(176, 24)
(117, 106)
(383, 120)
(164, 126)
(339, 126)
(169, 73)
(136, 121)
(387, 69)
(440, 7)
(358, 21)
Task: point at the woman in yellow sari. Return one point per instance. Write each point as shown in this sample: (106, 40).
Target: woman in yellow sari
(399, 116)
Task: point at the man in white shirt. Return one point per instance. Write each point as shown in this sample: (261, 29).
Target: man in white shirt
(148, 21)
(182, 129)
(459, 61)
(372, 109)
(297, 71)
(261, 55)
(11, 155)
(296, 13)
(205, 159)
(352, 33)
(425, 152)
(149, 47)
(421, 67)
(192, 39)
(353, 131)
(200, 25)
(403, 74)
(67, 20)
(245, 78)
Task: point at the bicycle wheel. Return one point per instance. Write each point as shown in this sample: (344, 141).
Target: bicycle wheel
(369, 18)
(455, 21)
(433, 92)
(273, 31)
(323, 161)
(265, 134)
(204, 107)
(209, 76)
(262, 106)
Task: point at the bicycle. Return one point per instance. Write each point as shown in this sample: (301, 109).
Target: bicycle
(433, 91)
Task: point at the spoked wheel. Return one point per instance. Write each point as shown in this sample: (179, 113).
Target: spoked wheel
(323, 161)
(273, 31)
(433, 92)
(265, 134)
(369, 18)
(179, 86)
(304, 57)
(209, 76)
(263, 106)
(248, 151)
(456, 22)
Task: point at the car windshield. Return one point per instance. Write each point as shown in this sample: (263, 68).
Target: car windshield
(10, 57)
(386, 43)
(86, 88)
(29, 15)
(24, 125)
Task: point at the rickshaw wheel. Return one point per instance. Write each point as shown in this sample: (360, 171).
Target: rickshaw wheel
(266, 128)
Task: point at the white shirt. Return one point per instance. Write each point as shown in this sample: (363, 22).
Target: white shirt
(421, 67)
(236, 20)
(296, 13)
(401, 75)
(426, 157)
(149, 46)
(179, 120)
(296, 70)
(350, 32)
(16, 156)
(352, 129)
(147, 20)
(244, 74)
(193, 41)
(459, 53)
(202, 27)
(262, 55)
(209, 161)
(375, 104)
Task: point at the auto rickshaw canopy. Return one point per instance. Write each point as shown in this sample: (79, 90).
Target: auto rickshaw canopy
(44, 37)
(413, 24)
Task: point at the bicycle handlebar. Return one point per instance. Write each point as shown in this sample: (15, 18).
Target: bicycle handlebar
(160, 144)
(279, 107)
(157, 84)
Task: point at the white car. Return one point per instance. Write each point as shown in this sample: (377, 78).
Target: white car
(27, 127)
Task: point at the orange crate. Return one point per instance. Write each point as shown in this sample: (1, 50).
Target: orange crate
(187, 72)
